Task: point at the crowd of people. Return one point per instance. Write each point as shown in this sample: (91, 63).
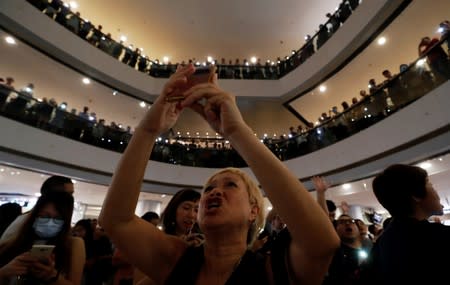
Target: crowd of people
(412, 82)
(227, 69)
(217, 236)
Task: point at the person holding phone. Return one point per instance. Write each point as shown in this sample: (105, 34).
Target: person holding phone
(231, 207)
(21, 257)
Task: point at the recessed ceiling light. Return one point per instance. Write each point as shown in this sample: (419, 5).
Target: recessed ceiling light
(2, 169)
(10, 40)
(163, 195)
(73, 5)
(322, 88)
(381, 41)
(115, 92)
(440, 159)
(253, 59)
(346, 186)
(86, 81)
(425, 165)
(166, 59)
(209, 59)
(123, 38)
(142, 104)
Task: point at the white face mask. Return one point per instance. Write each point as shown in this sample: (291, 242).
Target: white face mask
(47, 227)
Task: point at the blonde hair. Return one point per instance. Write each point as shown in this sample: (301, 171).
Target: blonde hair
(255, 198)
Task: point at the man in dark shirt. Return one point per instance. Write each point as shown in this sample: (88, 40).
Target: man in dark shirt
(346, 264)
(411, 250)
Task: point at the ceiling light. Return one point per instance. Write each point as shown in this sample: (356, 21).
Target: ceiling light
(86, 81)
(74, 181)
(425, 165)
(37, 194)
(73, 4)
(346, 186)
(2, 169)
(123, 38)
(253, 59)
(381, 41)
(166, 59)
(440, 30)
(209, 59)
(10, 40)
(163, 195)
(440, 159)
(142, 104)
(322, 88)
(365, 185)
(115, 92)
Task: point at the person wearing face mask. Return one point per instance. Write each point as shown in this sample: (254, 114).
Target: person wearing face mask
(48, 223)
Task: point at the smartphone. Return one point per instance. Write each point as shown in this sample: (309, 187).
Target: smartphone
(41, 251)
(202, 74)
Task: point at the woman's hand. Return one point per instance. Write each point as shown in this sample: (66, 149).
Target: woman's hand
(44, 269)
(163, 114)
(18, 266)
(216, 106)
(320, 184)
(194, 239)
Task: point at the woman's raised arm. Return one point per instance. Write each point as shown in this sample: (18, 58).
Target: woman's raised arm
(149, 249)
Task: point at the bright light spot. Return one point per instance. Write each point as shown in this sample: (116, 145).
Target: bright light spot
(73, 5)
(204, 63)
(142, 104)
(365, 109)
(440, 30)
(265, 135)
(115, 92)
(322, 88)
(316, 123)
(365, 185)
(17, 172)
(425, 165)
(160, 227)
(253, 59)
(421, 62)
(12, 173)
(381, 41)
(123, 38)
(187, 133)
(163, 195)
(2, 169)
(74, 181)
(269, 208)
(86, 81)
(166, 59)
(209, 59)
(346, 186)
(91, 118)
(362, 254)
(10, 40)
(39, 99)
(37, 194)
(440, 159)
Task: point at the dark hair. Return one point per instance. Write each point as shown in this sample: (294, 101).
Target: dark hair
(8, 213)
(331, 206)
(24, 238)
(396, 186)
(89, 237)
(54, 183)
(149, 216)
(170, 212)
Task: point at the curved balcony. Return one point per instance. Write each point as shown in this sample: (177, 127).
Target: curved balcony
(23, 20)
(405, 120)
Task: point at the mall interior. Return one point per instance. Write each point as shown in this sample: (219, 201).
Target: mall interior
(313, 88)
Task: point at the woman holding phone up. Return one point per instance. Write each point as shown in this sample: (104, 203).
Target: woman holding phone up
(47, 224)
(230, 208)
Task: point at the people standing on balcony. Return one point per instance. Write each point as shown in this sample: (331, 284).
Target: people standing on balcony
(5, 90)
(96, 36)
(85, 29)
(353, 4)
(322, 36)
(344, 12)
(445, 26)
(230, 206)
(437, 58)
(61, 17)
(333, 22)
(73, 23)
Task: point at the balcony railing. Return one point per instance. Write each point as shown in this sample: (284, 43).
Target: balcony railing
(269, 70)
(416, 80)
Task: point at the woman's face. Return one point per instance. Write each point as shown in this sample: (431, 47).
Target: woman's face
(79, 231)
(186, 216)
(49, 211)
(225, 202)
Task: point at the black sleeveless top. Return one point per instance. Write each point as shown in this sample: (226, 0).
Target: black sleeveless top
(252, 269)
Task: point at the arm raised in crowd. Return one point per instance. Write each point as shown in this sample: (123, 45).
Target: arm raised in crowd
(314, 240)
(152, 251)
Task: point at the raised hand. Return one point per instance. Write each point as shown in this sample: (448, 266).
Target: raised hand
(216, 106)
(164, 114)
(320, 184)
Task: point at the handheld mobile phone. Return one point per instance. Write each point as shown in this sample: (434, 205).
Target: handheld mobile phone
(41, 251)
(202, 74)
